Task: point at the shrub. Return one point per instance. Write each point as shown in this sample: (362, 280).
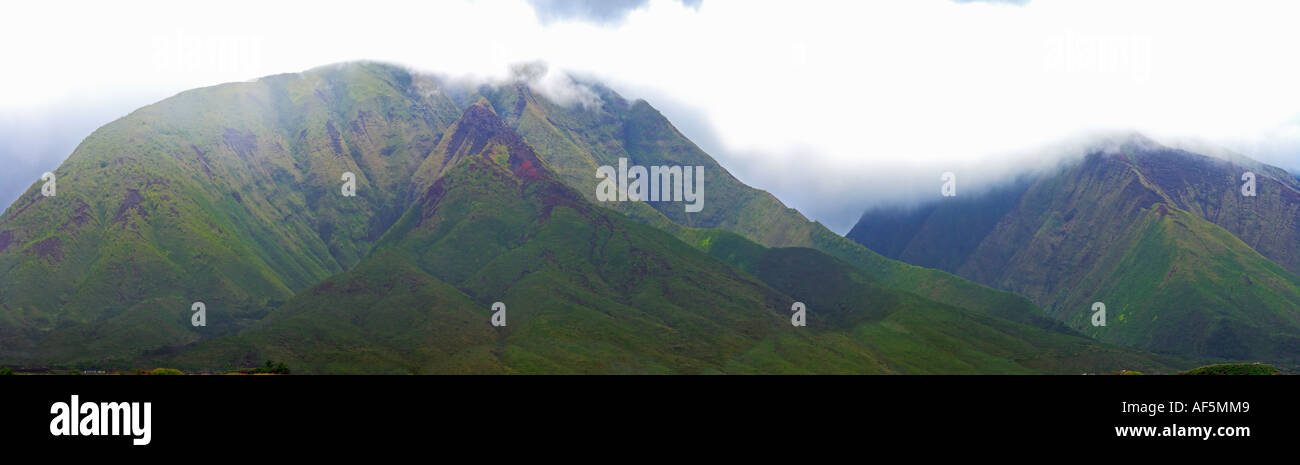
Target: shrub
(276, 368)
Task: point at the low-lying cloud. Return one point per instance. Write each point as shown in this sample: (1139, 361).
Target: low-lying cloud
(832, 106)
(609, 12)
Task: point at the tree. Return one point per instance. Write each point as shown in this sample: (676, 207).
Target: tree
(278, 368)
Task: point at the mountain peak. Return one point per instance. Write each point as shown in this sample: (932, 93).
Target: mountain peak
(481, 108)
(1122, 142)
(480, 131)
(1168, 236)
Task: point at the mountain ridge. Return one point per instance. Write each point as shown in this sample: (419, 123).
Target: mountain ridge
(579, 282)
(1155, 234)
(230, 196)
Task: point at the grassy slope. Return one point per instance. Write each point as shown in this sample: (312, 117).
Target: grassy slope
(236, 204)
(1111, 230)
(574, 140)
(1210, 188)
(227, 195)
(1190, 287)
(1234, 369)
(586, 290)
(589, 290)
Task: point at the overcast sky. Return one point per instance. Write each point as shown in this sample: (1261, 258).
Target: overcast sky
(832, 106)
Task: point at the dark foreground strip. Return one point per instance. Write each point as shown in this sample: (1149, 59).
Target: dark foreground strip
(766, 414)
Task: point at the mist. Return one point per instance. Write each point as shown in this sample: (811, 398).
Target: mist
(834, 107)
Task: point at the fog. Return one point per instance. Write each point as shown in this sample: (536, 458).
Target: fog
(834, 107)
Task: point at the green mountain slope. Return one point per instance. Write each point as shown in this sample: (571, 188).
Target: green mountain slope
(588, 290)
(1123, 227)
(228, 195)
(1210, 188)
(574, 140)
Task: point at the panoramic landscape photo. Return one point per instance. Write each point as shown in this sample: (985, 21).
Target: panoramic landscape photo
(545, 187)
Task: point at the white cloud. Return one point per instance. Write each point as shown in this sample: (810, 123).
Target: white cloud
(834, 106)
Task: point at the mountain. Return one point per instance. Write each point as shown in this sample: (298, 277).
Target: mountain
(227, 195)
(589, 290)
(234, 196)
(574, 140)
(1182, 260)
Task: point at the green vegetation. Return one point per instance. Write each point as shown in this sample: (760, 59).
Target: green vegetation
(229, 195)
(1163, 238)
(226, 195)
(1234, 369)
(588, 290)
(274, 368)
(574, 140)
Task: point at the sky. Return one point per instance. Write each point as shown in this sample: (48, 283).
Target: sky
(833, 106)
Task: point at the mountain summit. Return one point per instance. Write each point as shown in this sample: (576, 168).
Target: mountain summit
(359, 218)
(1189, 254)
(587, 290)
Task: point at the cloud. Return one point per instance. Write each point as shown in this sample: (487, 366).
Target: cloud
(558, 86)
(832, 106)
(1005, 2)
(607, 12)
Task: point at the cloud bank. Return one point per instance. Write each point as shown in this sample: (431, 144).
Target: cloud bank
(595, 11)
(832, 106)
